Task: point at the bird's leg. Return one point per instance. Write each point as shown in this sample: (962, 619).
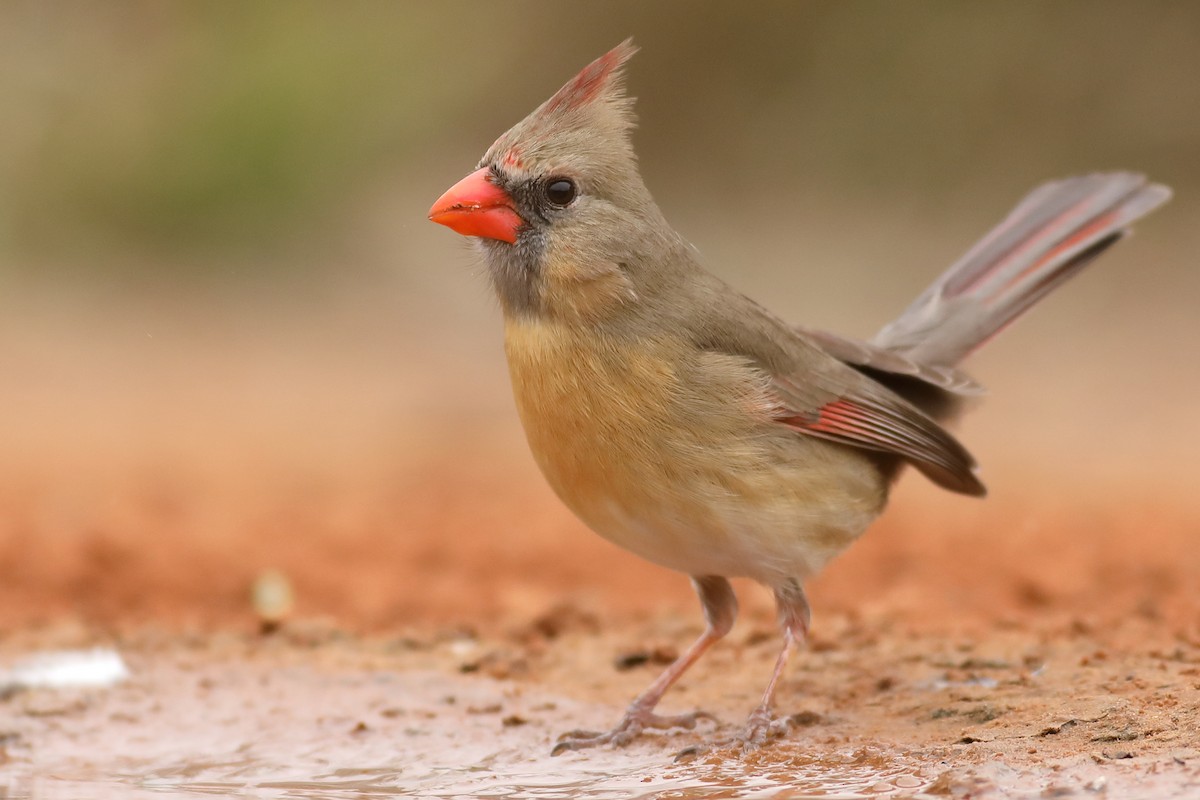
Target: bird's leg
(794, 616)
(761, 727)
(720, 609)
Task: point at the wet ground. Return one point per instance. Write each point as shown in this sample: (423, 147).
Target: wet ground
(878, 710)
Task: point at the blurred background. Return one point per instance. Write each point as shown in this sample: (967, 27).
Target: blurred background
(230, 340)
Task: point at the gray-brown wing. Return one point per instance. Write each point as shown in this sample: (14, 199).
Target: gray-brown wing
(816, 394)
(862, 413)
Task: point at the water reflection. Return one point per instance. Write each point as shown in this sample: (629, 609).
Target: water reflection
(782, 771)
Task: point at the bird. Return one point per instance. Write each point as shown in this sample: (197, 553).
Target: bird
(686, 423)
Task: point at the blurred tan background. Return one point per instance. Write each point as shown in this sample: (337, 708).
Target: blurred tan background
(230, 340)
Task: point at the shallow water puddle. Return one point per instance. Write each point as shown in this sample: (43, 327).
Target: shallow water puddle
(600, 776)
(296, 732)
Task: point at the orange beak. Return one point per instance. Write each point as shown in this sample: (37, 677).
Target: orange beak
(477, 207)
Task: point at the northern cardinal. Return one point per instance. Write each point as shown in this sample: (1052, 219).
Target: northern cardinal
(685, 422)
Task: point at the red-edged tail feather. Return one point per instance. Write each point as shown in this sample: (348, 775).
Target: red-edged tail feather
(1051, 235)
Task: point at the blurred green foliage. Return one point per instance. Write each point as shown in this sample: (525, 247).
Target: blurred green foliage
(180, 126)
(155, 129)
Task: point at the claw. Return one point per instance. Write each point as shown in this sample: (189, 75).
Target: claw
(688, 753)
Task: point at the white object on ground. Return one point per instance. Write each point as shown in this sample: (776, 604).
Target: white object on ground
(63, 669)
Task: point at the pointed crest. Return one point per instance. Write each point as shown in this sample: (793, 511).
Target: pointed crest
(590, 115)
(600, 78)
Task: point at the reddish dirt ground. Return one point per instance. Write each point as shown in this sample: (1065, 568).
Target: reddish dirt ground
(451, 619)
(942, 655)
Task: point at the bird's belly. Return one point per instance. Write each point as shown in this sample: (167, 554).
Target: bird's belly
(697, 479)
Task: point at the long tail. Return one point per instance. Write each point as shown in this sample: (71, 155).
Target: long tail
(1051, 235)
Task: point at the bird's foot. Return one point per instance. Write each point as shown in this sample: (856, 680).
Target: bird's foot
(635, 721)
(760, 730)
(763, 728)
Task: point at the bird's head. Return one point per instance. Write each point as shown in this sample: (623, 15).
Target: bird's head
(557, 204)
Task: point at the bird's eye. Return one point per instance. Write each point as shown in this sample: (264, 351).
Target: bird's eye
(560, 191)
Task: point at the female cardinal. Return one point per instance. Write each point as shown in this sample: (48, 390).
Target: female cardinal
(685, 422)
